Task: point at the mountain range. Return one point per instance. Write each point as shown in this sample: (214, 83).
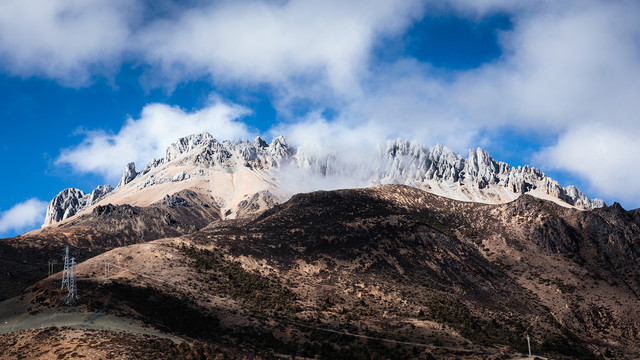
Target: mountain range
(207, 254)
(246, 177)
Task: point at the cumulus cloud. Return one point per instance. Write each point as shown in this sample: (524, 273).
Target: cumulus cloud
(142, 139)
(66, 40)
(605, 155)
(566, 68)
(561, 67)
(569, 72)
(276, 42)
(23, 216)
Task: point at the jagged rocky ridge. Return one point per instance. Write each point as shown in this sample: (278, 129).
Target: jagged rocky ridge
(72, 201)
(202, 149)
(438, 169)
(412, 163)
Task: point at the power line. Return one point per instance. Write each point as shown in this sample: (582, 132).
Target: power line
(23, 267)
(69, 280)
(348, 333)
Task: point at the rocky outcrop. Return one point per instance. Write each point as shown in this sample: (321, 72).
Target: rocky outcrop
(154, 163)
(186, 144)
(202, 149)
(97, 194)
(198, 149)
(279, 149)
(128, 174)
(71, 201)
(438, 169)
(403, 162)
(477, 177)
(259, 143)
(256, 204)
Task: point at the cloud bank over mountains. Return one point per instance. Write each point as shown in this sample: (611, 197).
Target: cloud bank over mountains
(569, 73)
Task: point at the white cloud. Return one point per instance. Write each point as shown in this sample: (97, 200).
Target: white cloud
(479, 8)
(140, 140)
(567, 68)
(605, 155)
(66, 40)
(276, 42)
(561, 67)
(26, 215)
(570, 72)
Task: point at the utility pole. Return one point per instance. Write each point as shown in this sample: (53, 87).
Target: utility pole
(72, 281)
(65, 272)
(529, 345)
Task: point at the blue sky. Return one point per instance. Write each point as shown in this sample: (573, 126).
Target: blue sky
(88, 86)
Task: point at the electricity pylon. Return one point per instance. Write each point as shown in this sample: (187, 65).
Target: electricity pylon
(106, 270)
(65, 272)
(72, 281)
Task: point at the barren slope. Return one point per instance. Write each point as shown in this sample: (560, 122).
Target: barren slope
(385, 272)
(24, 259)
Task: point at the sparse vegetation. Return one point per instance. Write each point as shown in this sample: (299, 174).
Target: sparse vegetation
(471, 234)
(547, 209)
(565, 344)
(351, 262)
(564, 287)
(456, 314)
(258, 290)
(439, 226)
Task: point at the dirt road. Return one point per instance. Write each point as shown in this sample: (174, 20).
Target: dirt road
(14, 315)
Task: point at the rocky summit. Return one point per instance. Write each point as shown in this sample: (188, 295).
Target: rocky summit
(72, 201)
(477, 178)
(200, 157)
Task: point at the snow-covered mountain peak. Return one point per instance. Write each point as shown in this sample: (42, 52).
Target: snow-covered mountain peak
(259, 143)
(204, 150)
(477, 178)
(234, 171)
(401, 161)
(71, 201)
(187, 144)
